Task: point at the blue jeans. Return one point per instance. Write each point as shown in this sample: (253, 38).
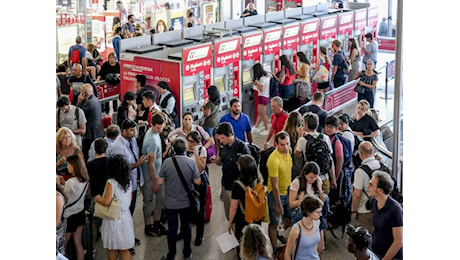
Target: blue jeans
(186, 229)
(287, 92)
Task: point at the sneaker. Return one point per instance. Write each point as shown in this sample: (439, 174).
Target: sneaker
(137, 242)
(94, 254)
(159, 230)
(255, 130)
(131, 251)
(149, 231)
(264, 132)
(199, 241)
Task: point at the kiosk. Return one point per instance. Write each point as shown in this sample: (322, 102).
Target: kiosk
(309, 36)
(372, 21)
(360, 27)
(290, 34)
(345, 28)
(328, 32)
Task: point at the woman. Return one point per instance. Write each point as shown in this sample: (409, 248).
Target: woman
(303, 79)
(211, 110)
(66, 145)
(148, 25)
(307, 230)
(93, 57)
(167, 101)
(261, 82)
(75, 189)
(323, 60)
(368, 79)
(161, 26)
(198, 153)
(115, 24)
(308, 184)
(110, 66)
(345, 129)
(362, 123)
(189, 19)
(250, 10)
(188, 127)
(255, 244)
(60, 220)
(248, 176)
(286, 76)
(127, 108)
(354, 57)
(117, 235)
(294, 126)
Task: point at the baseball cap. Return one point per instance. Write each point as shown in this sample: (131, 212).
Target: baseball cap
(361, 237)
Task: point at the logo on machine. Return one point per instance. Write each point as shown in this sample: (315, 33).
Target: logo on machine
(360, 15)
(252, 41)
(372, 12)
(311, 27)
(228, 46)
(346, 19)
(197, 54)
(273, 36)
(328, 23)
(290, 32)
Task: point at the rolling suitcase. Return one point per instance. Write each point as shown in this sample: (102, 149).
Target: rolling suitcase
(106, 120)
(208, 209)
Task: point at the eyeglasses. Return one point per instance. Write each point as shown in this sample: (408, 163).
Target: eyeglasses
(190, 141)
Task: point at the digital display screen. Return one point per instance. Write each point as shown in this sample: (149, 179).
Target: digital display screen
(247, 79)
(189, 94)
(220, 84)
(268, 67)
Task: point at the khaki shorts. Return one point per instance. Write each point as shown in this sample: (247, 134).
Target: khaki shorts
(326, 186)
(151, 200)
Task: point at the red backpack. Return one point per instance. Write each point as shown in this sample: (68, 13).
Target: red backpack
(75, 55)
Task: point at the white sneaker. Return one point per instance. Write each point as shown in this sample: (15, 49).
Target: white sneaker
(255, 130)
(264, 132)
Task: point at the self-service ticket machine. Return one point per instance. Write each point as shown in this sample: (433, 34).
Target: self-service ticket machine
(289, 34)
(360, 22)
(372, 21)
(345, 25)
(328, 32)
(309, 36)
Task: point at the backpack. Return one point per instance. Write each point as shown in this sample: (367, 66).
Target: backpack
(340, 210)
(395, 193)
(65, 87)
(355, 156)
(347, 150)
(274, 87)
(255, 202)
(317, 151)
(254, 151)
(173, 116)
(264, 154)
(345, 64)
(75, 55)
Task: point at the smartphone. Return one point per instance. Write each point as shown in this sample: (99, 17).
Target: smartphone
(84, 94)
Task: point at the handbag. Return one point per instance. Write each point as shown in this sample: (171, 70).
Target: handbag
(193, 195)
(112, 211)
(112, 79)
(322, 75)
(360, 89)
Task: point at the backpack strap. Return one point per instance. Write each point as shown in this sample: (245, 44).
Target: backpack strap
(245, 189)
(368, 171)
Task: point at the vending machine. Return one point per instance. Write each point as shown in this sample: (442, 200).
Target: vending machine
(372, 21)
(226, 69)
(360, 27)
(289, 33)
(328, 32)
(345, 28)
(297, 14)
(309, 36)
(251, 54)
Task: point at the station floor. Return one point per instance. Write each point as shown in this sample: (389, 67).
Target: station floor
(153, 248)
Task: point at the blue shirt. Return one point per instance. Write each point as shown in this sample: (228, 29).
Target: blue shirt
(240, 125)
(116, 45)
(121, 146)
(92, 150)
(152, 145)
(82, 51)
(384, 220)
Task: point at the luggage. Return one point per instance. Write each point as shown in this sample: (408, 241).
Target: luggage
(106, 120)
(208, 207)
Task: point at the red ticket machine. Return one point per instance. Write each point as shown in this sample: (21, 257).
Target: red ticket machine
(328, 32)
(226, 69)
(291, 41)
(252, 53)
(372, 21)
(360, 27)
(309, 36)
(345, 28)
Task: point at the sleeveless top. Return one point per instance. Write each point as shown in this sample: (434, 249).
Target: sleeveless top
(308, 243)
(62, 169)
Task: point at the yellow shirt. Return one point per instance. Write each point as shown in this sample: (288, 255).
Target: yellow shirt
(307, 69)
(280, 166)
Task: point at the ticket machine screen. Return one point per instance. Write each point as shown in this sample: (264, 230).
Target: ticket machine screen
(247, 79)
(220, 85)
(268, 68)
(189, 94)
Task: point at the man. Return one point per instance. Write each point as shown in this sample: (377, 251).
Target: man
(316, 107)
(116, 42)
(177, 200)
(387, 217)
(150, 106)
(279, 166)
(71, 117)
(167, 102)
(77, 80)
(358, 201)
(278, 119)
(128, 28)
(228, 158)
(113, 131)
(141, 87)
(338, 76)
(91, 106)
(331, 123)
(370, 52)
(82, 54)
(239, 121)
(126, 145)
(311, 124)
(358, 242)
(153, 193)
(97, 172)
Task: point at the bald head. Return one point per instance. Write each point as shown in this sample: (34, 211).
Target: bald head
(77, 69)
(366, 149)
(88, 89)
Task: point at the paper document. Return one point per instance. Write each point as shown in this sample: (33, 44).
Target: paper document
(227, 242)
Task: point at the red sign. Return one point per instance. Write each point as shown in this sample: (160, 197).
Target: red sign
(387, 44)
(197, 59)
(346, 23)
(252, 46)
(309, 32)
(227, 52)
(372, 16)
(328, 27)
(105, 90)
(291, 37)
(63, 19)
(272, 42)
(340, 97)
(360, 20)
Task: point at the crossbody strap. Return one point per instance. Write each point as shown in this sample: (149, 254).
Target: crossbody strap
(73, 203)
(181, 176)
(298, 240)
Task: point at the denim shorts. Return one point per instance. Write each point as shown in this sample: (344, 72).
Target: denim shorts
(275, 218)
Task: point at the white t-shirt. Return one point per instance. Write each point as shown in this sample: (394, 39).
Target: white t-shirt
(362, 179)
(302, 147)
(73, 189)
(295, 185)
(265, 81)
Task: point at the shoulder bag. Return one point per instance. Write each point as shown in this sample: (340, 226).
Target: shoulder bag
(73, 203)
(193, 195)
(360, 89)
(322, 75)
(112, 211)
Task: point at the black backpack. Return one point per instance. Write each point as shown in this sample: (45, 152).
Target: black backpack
(264, 154)
(317, 151)
(255, 151)
(274, 87)
(395, 193)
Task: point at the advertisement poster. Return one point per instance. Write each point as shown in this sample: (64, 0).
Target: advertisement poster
(209, 14)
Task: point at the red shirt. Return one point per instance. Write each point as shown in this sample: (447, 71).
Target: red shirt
(278, 123)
